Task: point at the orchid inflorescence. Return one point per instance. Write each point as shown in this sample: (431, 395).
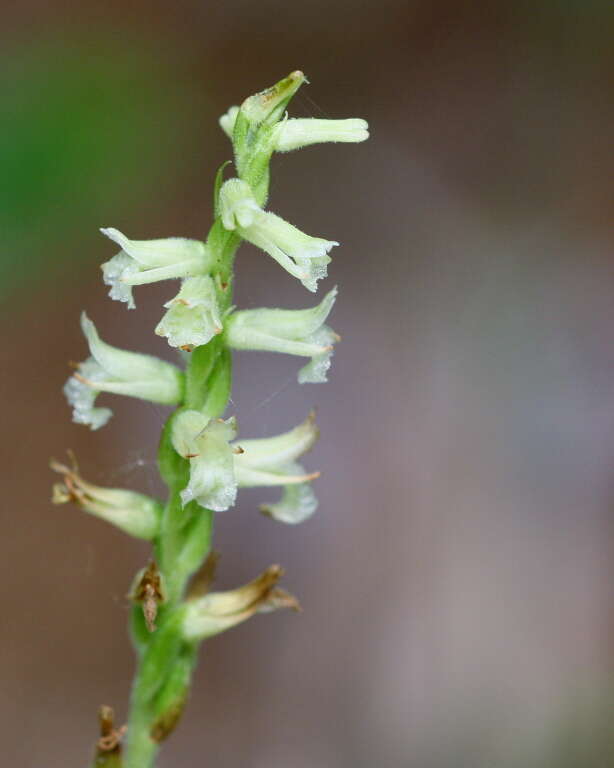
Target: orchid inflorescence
(200, 458)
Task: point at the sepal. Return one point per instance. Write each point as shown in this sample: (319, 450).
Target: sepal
(148, 261)
(110, 369)
(272, 462)
(295, 332)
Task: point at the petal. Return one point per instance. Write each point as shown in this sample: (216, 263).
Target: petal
(192, 318)
(297, 503)
(114, 273)
(270, 453)
(301, 132)
(158, 253)
(81, 395)
(316, 371)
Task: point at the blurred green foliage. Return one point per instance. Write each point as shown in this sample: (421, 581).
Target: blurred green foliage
(83, 134)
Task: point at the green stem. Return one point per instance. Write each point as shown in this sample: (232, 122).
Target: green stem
(165, 662)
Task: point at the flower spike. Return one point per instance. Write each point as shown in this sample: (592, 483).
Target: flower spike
(124, 373)
(303, 256)
(148, 261)
(290, 331)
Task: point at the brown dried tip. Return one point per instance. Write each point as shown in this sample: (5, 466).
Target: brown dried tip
(110, 737)
(148, 592)
(204, 577)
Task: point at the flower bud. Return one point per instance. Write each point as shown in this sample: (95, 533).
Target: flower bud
(124, 373)
(148, 261)
(193, 316)
(217, 611)
(269, 105)
(206, 443)
(303, 256)
(132, 512)
(290, 331)
(272, 461)
(301, 132)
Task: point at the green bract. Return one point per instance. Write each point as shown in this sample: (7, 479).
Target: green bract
(199, 458)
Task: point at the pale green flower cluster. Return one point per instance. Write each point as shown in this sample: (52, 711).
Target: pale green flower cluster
(201, 458)
(196, 315)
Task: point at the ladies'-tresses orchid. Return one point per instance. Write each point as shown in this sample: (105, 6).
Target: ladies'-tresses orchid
(301, 255)
(148, 261)
(193, 316)
(295, 133)
(218, 467)
(199, 457)
(132, 512)
(290, 331)
(124, 373)
(218, 611)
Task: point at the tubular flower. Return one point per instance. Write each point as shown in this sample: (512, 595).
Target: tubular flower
(218, 611)
(302, 132)
(290, 331)
(132, 512)
(206, 443)
(301, 255)
(148, 261)
(124, 373)
(193, 316)
(272, 461)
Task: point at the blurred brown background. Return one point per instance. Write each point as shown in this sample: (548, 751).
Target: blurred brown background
(456, 579)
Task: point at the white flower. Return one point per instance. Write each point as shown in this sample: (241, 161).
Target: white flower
(134, 513)
(124, 373)
(295, 133)
(301, 132)
(303, 256)
(206, 443)
(193, 316)
(272, 461)
(290, 331)
(147, 261)
(219, 611)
